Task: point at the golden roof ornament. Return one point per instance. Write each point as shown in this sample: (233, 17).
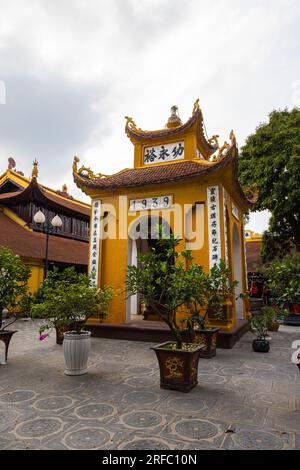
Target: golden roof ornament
(232, 138)
(130, 122)
(75, 161)
(174, 120)
(222, 151)
(214, 141)
(84, 171)
(196, 106)
(11, 164)
(35, 171)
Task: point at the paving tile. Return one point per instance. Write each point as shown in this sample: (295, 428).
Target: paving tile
(244, 400)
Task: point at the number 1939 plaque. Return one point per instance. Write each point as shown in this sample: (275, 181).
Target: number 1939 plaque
(150, 203)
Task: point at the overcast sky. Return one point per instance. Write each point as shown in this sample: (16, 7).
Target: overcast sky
(72, 70)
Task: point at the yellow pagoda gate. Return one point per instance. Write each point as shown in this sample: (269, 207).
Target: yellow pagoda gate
(182, 180)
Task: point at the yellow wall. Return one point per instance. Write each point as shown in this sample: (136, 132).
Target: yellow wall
(37, 276)
(113, 253)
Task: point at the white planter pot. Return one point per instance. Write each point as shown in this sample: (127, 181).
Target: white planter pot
(76, 351)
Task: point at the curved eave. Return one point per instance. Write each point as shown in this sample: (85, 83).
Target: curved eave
(34, 192)
(111, 183)
(22, 182)
(196, 120)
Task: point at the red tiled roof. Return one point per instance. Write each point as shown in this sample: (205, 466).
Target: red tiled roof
(9, 195)
(32, 244)
(165, 173)
(253, 257)
(34, 190)
(68, 204)
(150, 175)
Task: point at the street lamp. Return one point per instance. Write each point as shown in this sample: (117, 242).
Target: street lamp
(47, 226)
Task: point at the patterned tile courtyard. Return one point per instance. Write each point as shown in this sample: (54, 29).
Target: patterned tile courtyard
(244, 400)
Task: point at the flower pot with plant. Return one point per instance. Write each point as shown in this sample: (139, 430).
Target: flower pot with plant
(63, 279)
(14, 275)
(65, 305)
(166, 281)
(259, 324)
(210, 294)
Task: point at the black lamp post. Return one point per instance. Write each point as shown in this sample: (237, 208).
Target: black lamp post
(47, 227)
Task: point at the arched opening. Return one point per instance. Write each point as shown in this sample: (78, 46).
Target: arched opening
(237, 272)
(143, 233)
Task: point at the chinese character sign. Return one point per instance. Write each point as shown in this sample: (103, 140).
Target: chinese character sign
(164, 153)
(95, 241)
(214, 225)
(225, 226)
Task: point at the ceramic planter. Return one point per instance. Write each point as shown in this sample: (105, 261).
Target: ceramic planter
(76, 351)
(62, 329)
(5, 337)
(207, 341)
(261, 345)
(178, 368)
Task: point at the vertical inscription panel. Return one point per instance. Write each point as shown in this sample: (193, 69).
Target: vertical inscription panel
(225, 227)
(213, 212)
(95, 228)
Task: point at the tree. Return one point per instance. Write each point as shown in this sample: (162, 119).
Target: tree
(208, 293)
(67, 298)
(270, 160)
(283, 279)
(14, 275)
(165, 284)
(162, 281)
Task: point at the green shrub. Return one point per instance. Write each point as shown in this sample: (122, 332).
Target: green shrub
(283, 279)
(14, 275)
(66, 298)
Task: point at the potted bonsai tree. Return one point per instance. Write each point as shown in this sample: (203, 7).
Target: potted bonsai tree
(259, 324)
(209, 294)
(66, 305)
(275, 315)
(60, 279)
(165, 284)
(14, 275)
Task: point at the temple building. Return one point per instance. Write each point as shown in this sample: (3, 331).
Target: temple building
(20, 199)
(253, 249)
(181, 180)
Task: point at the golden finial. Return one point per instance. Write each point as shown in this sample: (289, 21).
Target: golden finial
(75, 161)
(35, 171)
(174, 120)
(232, 138)
(196, 106)
(11, 164)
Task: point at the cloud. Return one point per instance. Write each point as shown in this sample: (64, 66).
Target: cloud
(73, 69)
